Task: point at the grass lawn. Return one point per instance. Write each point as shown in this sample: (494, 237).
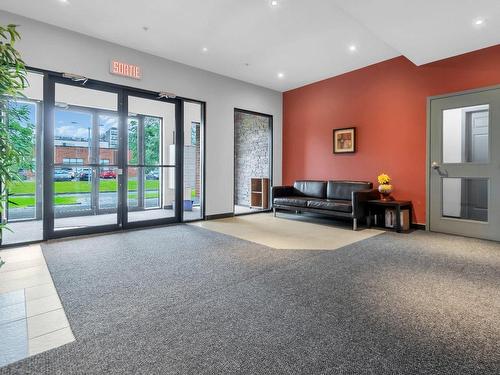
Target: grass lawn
(61, 200)
(20, 202)
(62, 187)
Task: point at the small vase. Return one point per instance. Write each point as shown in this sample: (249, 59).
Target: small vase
(385, 190)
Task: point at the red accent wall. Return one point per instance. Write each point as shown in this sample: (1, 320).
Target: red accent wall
(387, 102)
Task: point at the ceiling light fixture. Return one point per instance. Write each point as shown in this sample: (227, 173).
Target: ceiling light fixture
(479, 21)
(281, 75)
(204, 49)
(274, 3)
(64, 1)
(353, 48)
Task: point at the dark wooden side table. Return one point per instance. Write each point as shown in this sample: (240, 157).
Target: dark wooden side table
(377, 205)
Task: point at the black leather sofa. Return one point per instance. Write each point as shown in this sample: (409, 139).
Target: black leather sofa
(345, 199)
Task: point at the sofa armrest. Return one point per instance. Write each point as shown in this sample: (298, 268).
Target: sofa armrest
(282, 191)
(359, 199)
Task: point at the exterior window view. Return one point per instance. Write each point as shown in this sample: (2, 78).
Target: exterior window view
(250, 187)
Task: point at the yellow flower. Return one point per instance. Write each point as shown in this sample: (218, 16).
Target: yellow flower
(383, 179)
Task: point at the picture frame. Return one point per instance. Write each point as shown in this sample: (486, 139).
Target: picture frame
(344, 140)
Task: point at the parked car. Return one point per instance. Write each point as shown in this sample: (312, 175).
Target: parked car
(62, 175)
(70, 171)
(153, 175)
(85, 174)
(108, 174)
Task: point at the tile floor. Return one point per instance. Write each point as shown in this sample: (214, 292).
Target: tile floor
(32, 319)
(238, 210)
(290, 231)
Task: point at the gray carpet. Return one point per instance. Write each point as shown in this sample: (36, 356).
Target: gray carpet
(184, 300)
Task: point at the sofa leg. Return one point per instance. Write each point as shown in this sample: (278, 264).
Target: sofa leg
(354, 224)
(274, 211)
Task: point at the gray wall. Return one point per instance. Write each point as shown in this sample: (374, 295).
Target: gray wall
(52, 48)
(251, 153)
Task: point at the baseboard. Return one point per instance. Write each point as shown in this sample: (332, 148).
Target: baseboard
(418, 226)
(219, 216)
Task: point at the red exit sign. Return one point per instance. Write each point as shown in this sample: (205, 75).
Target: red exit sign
(125, 70)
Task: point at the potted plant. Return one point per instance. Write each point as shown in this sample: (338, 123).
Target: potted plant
(14, 146)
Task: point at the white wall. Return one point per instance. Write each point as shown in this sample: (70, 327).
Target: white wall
(48, 47)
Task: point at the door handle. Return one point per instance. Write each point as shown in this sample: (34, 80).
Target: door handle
(437, 167)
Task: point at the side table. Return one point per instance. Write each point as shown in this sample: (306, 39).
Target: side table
(378, 204)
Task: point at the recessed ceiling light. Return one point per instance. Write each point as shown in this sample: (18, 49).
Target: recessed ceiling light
(353, 48)
(479, 21)
(204, 49)
(281, 75)
(64, 1)
(274, 3)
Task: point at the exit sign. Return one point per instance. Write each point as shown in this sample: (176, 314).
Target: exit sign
(126, 70)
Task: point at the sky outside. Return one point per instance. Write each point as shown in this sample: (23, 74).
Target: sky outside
(76, 125)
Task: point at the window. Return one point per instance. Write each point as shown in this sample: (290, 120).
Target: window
(73, 161)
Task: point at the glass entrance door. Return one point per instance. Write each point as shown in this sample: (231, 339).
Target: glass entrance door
(464, 173)
(84, 175)
(151, 160)
(112, 159)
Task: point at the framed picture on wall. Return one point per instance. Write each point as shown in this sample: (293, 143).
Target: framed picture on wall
(344, 140)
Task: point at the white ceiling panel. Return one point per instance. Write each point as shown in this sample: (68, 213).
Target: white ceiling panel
(306, 40)
(429, 30)
(246, 39)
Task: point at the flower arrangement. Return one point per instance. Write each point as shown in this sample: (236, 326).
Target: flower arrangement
(385, 187)
(383, 179)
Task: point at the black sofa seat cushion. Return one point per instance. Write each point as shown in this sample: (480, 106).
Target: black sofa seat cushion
(330, 205)
(291, 201)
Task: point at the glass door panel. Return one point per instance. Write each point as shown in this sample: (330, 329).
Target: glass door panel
(85, 149)
(24, 210)
(151, 166)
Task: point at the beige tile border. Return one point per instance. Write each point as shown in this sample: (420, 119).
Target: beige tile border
(293, 232)
(50, 341)
(26, 272)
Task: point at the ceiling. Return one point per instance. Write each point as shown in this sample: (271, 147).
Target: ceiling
(304, 40)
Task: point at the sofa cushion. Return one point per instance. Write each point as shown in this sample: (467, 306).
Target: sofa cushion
(309, 188)
(330, 204)
(343, 189)
(291, 201)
